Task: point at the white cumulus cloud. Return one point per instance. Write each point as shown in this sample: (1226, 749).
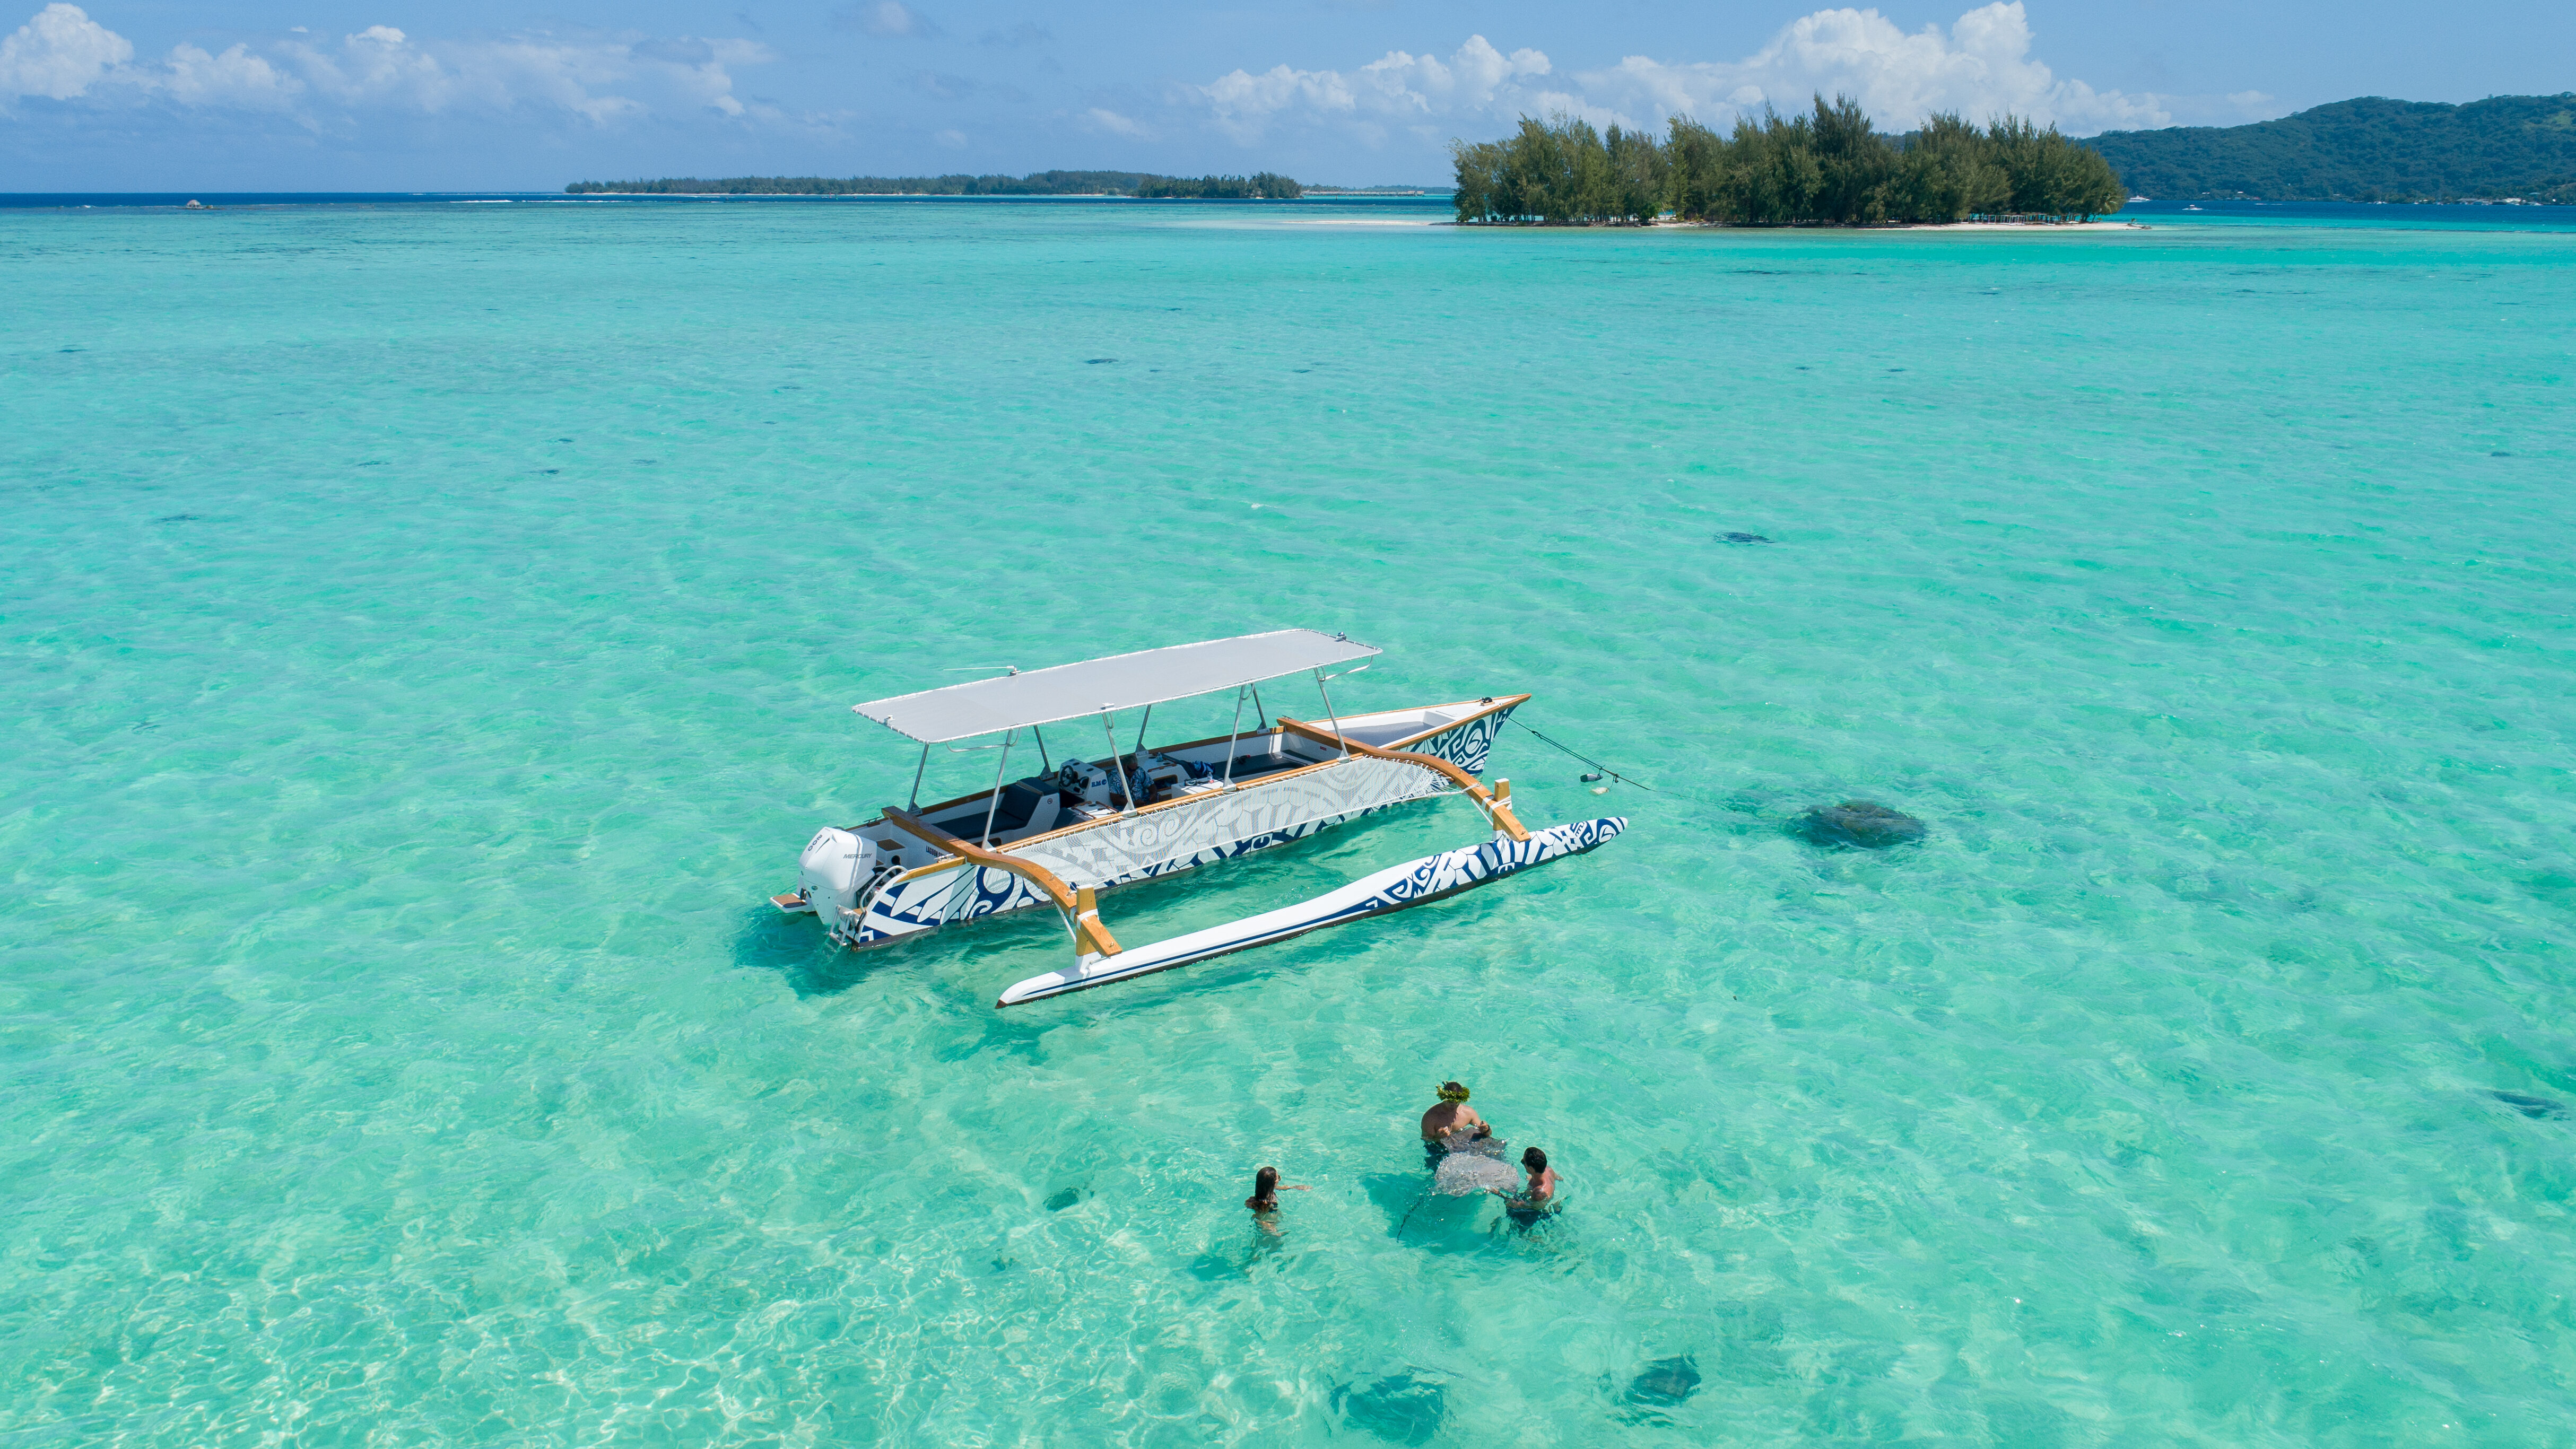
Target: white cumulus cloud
(63, 55)
(1397, 89)
(599, 80)
(890, 18)
(1980, 66)
(59, 54)
(1113, 123)
(234, 78)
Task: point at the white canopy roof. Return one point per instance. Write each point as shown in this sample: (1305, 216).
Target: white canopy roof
(1121, 681)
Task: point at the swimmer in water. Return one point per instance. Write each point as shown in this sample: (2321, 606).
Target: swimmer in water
(1452, 1114)
(1535, 1200)
(1264, 1201)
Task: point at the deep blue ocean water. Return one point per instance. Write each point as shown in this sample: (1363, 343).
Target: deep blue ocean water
(430, 631)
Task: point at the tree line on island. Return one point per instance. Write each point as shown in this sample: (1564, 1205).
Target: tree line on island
(1831, 168)
(1260, 186)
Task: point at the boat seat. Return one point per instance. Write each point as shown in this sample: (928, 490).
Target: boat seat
(1027, 804)
(1047, 816)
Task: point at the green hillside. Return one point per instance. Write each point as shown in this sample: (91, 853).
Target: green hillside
(2368, 149)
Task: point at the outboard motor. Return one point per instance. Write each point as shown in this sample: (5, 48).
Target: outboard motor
(836, 866)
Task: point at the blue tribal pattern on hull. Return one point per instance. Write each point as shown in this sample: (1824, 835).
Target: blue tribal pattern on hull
(1456, 870)
(1127, 849)
(1411, 884)
(966, 894)
(1469, 745)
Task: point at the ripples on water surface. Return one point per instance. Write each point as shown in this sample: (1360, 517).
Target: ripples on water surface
(431, 634)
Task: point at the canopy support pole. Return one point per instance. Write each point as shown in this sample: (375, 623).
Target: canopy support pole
(1136, 758)
(999, 770)
(1118, 789)
(1230, 739)
(916, 778)
(1328, 713)
(1045, 766)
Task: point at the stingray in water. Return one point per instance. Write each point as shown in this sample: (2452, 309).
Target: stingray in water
(1472, 1167)
(1865, 824)
(1399, 1408)
(1666, 1382)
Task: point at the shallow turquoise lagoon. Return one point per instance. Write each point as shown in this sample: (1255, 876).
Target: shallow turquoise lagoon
(429, 637)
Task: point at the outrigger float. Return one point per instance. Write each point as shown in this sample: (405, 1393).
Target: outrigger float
(1081, 827)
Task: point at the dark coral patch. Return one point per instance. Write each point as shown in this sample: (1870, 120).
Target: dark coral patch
(2539, 1109)
(1859, 824)
(1399, 1408)
(1666, 1382)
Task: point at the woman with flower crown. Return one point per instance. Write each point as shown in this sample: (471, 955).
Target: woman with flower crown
(1449, 1116)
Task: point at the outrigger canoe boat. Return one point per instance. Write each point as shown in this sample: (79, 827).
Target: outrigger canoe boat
(1082, 826)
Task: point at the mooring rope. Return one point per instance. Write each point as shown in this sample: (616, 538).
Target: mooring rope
(1587, 759)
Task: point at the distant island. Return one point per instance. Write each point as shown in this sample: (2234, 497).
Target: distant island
(2368, 149)
(1260, 186)
(1832, 168)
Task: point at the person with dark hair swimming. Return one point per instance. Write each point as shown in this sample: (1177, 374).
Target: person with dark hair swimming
(1535, 1200)
(1264, 1201)
(1450, 1115)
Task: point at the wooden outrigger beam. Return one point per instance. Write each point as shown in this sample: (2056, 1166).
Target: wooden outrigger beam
(1081, 908)
(1496, 810)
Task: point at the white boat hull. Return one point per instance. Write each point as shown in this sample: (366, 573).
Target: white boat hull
(1122, 850)
(1061, 838)
(1410, 884)
(1129, 849)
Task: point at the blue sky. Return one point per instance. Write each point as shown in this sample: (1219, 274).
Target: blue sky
(111, 95)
